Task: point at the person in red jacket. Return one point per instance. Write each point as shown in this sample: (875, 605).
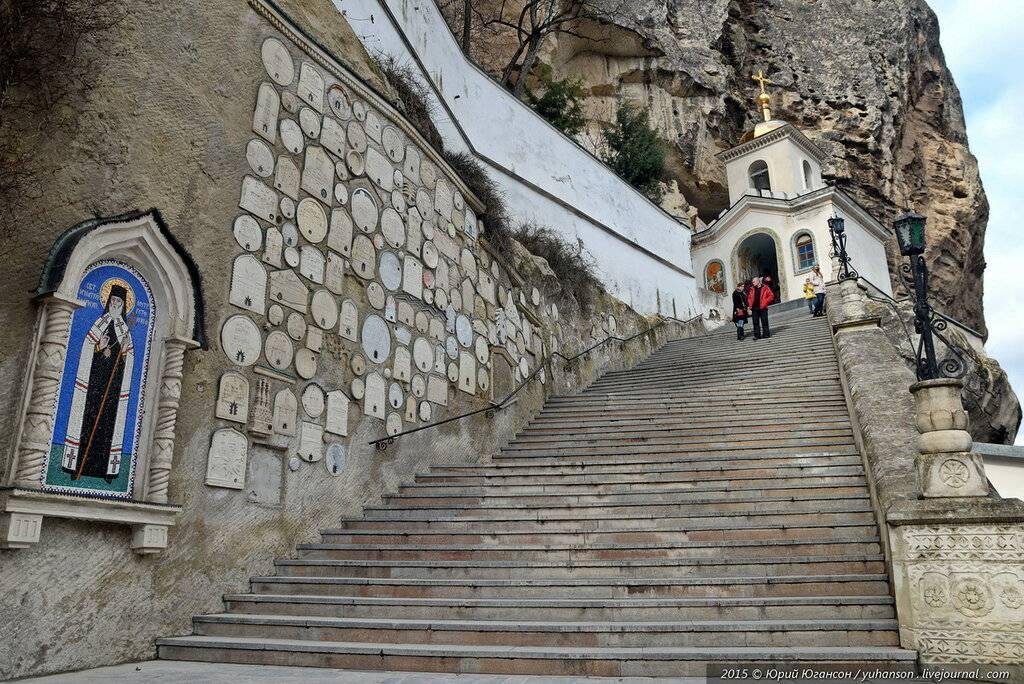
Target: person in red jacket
(759, 298)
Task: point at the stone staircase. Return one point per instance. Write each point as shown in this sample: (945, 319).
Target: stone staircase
(706, 506)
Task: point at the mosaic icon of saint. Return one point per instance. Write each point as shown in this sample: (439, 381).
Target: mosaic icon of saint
(96, 424)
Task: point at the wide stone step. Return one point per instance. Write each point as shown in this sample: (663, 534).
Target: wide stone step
(683, 396)
(718, 633)
(834, 543)
(657, 452)
(720, 501)
(711, 530)
(647, 567)
(633, 608)
(520, 660)
(721, 377)
(614, 460)
(614, 441)
(590, 587)
(708, 426)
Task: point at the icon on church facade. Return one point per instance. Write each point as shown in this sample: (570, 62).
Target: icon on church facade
(714, 277)
(93, 450)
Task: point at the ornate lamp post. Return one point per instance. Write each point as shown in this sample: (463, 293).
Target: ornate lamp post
(837, 230)
(909, 229)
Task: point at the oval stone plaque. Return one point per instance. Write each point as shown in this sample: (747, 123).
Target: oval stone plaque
(305, 363)
(277, 61)
(464, 330)
(419, 386)
(275, 314)
(309, 122)
(260, 157)
(364, 210)
(358, 388)
(396, 397)
(358, 364)
(247, 233)
(355, 162)
(312, 220)
(291, 136)
(334, 461)
(391, 141)
(287, 207)
(296, 326)
(376, 339)
(340, 102)
(364, 257)
(393, 423)
(241, 341)
(291, 256)
(430, 254)
(313, 400)
(390, 269)
(356, 136)
(392, 227)
(324, 308)
(483, 353)
(376, 295)
(279, 350)
(422, 354)
(290, 234)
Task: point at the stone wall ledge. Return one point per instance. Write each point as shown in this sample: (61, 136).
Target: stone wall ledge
(960, 511)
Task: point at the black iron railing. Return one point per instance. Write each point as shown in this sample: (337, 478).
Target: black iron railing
(382, 443)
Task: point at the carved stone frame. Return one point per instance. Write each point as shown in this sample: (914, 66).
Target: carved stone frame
(141, 240)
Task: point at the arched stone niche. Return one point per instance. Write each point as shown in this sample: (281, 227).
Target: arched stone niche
(118, 305)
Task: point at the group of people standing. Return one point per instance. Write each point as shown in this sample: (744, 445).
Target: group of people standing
(751, 299)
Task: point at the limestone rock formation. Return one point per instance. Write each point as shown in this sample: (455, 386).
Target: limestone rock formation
(865, 79)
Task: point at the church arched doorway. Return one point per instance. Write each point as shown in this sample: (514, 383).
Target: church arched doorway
(757, 255)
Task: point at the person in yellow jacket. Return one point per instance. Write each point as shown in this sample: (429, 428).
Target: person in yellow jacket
(809, 294)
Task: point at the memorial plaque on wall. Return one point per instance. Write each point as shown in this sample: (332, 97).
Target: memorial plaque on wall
(287, 289)
(391, 141)
(309, 121)
(406, 314)
(364, 257)
(225, 463)
(311, 86)
(241, 341)
(312, 220)
(423, 354)
(291, 136)
(375, 396)
(311, 441)
(334, 273)
(277, 61)
(467, 373)
(390, 270)
(340, 236)
(437, 390)
(285, 411)
(314, 338)
(401, 368)
(337, 413)
(262, 416)
(318, 174)
(296, 326)
(278, 350)
(356, 136)
(379, 170)
(247, 233)
(260, 158)
(373, 125)
(364, 210)
(286, 179)
(334, 461)
(376, 339)
(258, 199)
(248, 284)
(314, 400)
(233, 397)
(348, 325)
(412, 282)
(411, 165)
(312, 264)
(443, 199)
(324, 309)
(392, 227)
(340, 102)
(332, 136)
(264, 118)
(305, 363)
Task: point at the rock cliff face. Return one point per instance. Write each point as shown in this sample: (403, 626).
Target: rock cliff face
(865, 79)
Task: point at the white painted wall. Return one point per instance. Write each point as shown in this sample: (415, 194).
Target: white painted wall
(785, 169)
(641, 253)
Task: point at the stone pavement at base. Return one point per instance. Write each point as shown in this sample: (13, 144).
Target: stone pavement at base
(180, 672)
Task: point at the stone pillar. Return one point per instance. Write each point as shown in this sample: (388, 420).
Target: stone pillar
(37, 429)
(851, 301)
(946, 467)
(166, 419)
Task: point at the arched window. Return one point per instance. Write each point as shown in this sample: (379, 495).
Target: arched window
(804, 247)
(758, 173)
(808, 175)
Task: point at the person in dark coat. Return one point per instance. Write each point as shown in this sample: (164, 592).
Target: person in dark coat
(759, 298)
(739, 309)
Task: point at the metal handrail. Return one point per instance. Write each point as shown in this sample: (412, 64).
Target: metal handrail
(382, 443)
(948, 319)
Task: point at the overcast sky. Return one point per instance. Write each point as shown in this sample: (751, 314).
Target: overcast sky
(984, 50)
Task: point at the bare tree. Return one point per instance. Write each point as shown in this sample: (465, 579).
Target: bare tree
(532, 22)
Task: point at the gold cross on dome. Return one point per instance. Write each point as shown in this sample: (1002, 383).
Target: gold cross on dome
(763, 99)
(761, 80)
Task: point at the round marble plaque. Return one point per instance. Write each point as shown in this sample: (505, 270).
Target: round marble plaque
(483, 379)
(393, 423)
(296, 326)
(356, 136)
(364, 210)
(428, 279)
(425, 411)
(279, 350)
(305, 363)
(260, 158)
(341, 171)
(358, 388)
(422, 321)
(294, 463)
(451, 347)
(464, 330)
(291, 102)
(391, 141)
(290, 234)
(247, 233)
(277, 61)
(356, 163)
(313, 400)
(291, 136)
(340, 102)
(291, 256)
(453, 371)
(309, 122)
(358, 364)
(390, 270)
(441, 299)
(428, 174)
(398, 201)
(430, 254)
(419, 386)
(324, 308)
(364, 257)
(341, 193)
(392, 227)
(468, 262)
(312, 220)
(374, 125)
(334, 460)
(376, 295)
(275, 314)
(288, 207)
(240, 339)
(482, 351)
(422, 354)
(376, 339)
(396, 397)
(524, 367)
(359, 110)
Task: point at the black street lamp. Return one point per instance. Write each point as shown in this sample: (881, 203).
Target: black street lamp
(909, 229)
(837, 230)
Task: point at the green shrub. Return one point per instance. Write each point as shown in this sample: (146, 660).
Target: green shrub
(634, 151)
(561, 104)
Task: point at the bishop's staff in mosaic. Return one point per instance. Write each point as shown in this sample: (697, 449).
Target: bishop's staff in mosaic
(95, 433)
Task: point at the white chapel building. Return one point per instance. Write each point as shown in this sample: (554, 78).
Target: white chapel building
(777, 221)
